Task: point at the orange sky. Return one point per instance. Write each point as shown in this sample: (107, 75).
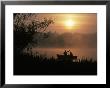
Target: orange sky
(82, 23)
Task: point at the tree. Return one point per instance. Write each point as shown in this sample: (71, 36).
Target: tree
(25, 26)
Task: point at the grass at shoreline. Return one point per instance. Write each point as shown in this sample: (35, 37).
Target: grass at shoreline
(29, 65)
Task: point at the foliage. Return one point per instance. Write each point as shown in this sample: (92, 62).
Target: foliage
(25, 26)
(26, 64)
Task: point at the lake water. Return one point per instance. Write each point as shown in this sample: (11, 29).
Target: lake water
(80, 52)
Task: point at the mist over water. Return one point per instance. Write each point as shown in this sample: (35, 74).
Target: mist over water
(80, 52)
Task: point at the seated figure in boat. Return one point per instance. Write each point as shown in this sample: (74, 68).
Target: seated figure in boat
(67, 56)
(65, 53)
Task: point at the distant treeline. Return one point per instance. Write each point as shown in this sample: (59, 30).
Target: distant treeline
(66, 40)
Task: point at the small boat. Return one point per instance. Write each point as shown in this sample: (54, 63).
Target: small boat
(66, 57)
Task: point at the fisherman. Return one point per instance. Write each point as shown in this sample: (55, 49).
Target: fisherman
(71, 54)
(65, 53)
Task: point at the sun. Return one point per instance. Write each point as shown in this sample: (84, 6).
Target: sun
(69, 23)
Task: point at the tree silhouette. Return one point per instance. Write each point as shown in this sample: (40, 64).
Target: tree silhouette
(25, 26)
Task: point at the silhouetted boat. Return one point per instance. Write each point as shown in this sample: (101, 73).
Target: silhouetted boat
(66, 57)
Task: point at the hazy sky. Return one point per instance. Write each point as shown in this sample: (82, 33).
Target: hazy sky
(74, 23)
